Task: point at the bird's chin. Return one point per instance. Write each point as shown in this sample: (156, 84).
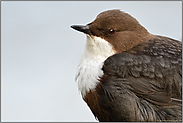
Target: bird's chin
(90, 36)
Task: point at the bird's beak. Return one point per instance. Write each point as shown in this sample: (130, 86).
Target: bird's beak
(84, 29)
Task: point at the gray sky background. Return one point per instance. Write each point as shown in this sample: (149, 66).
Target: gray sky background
(40, 53)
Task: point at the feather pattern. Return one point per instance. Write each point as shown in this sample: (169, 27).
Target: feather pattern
(141, 84)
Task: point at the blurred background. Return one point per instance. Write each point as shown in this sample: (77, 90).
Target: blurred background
(40, 53)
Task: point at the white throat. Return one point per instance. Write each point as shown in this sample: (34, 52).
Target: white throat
(97, 50)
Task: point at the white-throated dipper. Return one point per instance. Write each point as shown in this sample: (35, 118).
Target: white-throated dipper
(128, 74)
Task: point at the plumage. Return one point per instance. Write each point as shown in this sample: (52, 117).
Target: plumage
(140, 77)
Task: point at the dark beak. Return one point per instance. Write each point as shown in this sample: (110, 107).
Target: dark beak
(84, 29)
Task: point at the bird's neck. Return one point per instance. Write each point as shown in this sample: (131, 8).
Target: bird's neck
(129, 40)
(97, 50)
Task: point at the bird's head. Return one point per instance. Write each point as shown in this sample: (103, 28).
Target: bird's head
(118, 28)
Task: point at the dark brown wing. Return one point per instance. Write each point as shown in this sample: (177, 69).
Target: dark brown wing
(145, 83)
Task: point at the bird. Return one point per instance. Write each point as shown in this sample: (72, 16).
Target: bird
(128, 74)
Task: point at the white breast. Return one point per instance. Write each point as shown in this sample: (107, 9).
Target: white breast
(97, 50)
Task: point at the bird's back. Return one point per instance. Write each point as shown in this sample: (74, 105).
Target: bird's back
(141, 84)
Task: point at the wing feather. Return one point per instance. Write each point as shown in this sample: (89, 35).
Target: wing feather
(151, 72)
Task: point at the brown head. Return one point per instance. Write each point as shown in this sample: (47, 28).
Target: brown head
(118, 28)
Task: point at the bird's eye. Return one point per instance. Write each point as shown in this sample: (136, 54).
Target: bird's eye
(111, 31)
